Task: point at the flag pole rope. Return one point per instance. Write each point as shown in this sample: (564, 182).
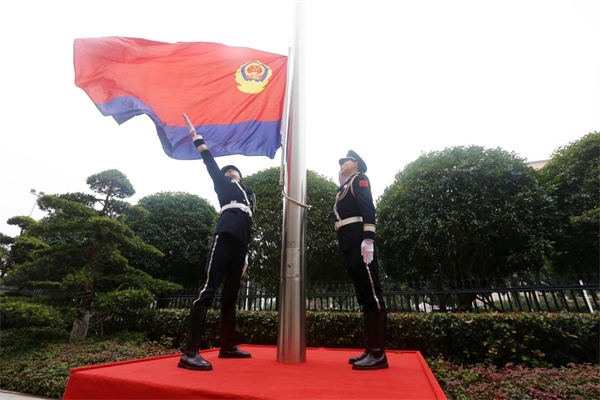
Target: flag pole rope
(294, 201)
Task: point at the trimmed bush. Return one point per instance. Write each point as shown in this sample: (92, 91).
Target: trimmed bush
(43, 370)
(531, 339)
(516, 382)
(19, 312)
(29, 339)
(169, 327)
(38, 360)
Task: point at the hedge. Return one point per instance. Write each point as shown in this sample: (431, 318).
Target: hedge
(20, 312)
(42, 367)
(480, 381)
(20, 341)
(530, 339)
(43, 358)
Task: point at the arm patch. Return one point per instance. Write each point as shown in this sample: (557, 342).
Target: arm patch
(363, 183)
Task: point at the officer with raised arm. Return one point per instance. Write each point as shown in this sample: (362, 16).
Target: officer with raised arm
(227, 259)
(355, 226)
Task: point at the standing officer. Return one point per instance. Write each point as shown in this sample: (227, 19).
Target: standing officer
(227, 259)
(355, 214)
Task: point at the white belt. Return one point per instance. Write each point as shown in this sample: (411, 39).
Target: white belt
(241, 206)
(347, 221)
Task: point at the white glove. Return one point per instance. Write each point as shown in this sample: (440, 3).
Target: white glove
(245, 266)
(191, 128)
(366, 250)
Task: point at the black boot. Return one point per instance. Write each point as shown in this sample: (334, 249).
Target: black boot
(190, 358)
(376, 359)
(352, 360)
(229, 348)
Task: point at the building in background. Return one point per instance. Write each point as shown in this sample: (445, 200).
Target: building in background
(537, 164)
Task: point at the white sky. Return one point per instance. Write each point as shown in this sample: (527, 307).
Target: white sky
(387, 79)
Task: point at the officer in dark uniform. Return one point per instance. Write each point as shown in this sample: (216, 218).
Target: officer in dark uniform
(355, 225)
(227, 260)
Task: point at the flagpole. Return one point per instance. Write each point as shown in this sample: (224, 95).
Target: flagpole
(291, 342)
(285, 120)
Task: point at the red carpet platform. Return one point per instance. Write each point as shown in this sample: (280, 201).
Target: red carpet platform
(325, 375)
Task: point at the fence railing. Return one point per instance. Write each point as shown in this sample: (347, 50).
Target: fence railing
(529, 293)
(522, 294)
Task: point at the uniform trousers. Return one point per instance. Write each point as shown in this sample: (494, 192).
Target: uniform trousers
(225, 262)
(365, 279)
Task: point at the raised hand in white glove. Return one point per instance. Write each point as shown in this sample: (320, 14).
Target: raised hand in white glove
(245, 266)
(191, 128)
(366, 250)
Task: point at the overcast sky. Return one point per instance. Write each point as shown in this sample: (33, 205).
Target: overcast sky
(389, 80)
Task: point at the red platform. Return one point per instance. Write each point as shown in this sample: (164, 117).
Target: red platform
(326, 374)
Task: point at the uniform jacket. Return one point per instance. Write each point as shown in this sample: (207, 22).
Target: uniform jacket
(234, 221)
(354, 199)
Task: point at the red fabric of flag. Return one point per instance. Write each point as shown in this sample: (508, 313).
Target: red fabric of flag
(234, 96)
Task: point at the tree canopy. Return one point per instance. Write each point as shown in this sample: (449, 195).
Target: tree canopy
(572, 179)
(323, 262)
(113, 184)
(467, 212)
(180, 226)
(90, 269)
(19, 249)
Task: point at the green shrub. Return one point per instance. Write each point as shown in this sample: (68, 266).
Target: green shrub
(30, 339)
(169, 326)
(19, 312)
(531, 339)
(334, 330)
(123, 301)
(38, 360)
(484, 381)
(44, 370)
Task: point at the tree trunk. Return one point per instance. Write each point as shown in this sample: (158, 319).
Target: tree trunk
(80, 325)
(465, 301)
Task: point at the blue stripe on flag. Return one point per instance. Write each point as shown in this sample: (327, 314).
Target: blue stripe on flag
(252, 138)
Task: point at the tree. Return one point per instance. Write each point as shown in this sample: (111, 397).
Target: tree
(114, 185)
(179, 225)
(5, 242)
(91, 268)
(323, 263)
(571, 178)
(467, 212)
(115, 209)
(19, 249)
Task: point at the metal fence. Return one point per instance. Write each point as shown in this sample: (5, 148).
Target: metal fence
(251, 297)
(531, 293)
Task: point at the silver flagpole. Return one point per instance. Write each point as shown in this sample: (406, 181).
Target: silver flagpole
(285, 125)
(291, 342)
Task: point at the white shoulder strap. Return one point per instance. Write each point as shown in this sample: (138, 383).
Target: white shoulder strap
(242, 190)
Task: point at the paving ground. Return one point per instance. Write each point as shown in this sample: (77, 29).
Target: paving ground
(6, 395)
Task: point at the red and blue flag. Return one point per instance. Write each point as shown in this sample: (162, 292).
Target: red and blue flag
(233, 95)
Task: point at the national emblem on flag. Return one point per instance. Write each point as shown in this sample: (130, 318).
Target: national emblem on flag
(253, 77)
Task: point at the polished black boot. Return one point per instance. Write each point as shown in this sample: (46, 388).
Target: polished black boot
(229, 348)
(191, 359)
(352, 360)
(376, 359)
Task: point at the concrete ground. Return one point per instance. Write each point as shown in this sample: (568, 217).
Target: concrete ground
(6, 395)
